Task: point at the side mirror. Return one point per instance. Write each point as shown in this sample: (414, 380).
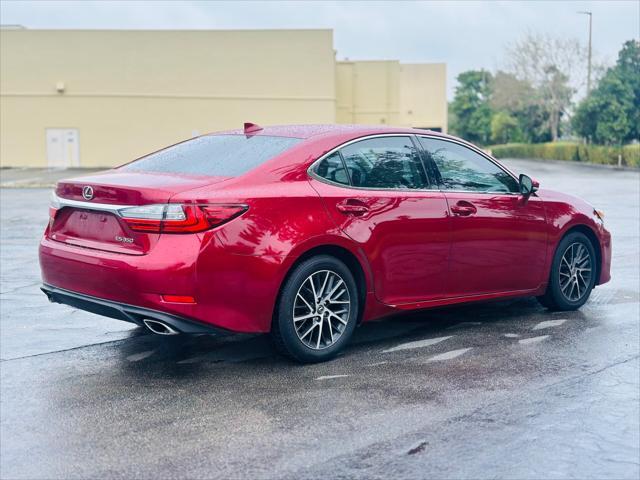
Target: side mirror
(527, 185)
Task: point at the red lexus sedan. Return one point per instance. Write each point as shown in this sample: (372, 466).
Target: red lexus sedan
(307, 231)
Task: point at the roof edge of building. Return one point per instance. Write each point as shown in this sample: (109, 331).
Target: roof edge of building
(22, 28)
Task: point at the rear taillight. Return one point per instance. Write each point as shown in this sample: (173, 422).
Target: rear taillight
(54, 206)
(175, 218)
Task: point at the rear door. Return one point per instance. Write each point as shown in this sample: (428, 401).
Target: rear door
(499, 237)
(377, 192)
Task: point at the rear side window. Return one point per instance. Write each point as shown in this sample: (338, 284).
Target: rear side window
(214, 155)
(332, 169)
(384, 162)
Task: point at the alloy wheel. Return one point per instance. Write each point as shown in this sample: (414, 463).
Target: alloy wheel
(575, 272)
(321, 309)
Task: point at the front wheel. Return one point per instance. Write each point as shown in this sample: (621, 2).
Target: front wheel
(573, 274)
(317, 310)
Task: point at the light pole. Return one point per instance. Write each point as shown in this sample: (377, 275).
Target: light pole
(589, 61)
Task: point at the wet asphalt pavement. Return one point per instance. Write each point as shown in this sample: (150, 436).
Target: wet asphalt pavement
(502, 390)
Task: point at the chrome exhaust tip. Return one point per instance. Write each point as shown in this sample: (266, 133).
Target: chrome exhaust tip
(159, 328)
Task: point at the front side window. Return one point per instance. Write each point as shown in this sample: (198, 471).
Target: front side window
(460, 168)
(215, 155)
(332, 169)
(384, 162)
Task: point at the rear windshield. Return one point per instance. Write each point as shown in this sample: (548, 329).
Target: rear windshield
(214, 155)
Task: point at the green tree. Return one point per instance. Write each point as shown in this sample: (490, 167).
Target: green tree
(471, 106)
(605, 116)
(520, 100)
(510, 94)
(611, 114)
(505, 128)
(628, 70)
(534, 121)
(556, 96)
(550, 66)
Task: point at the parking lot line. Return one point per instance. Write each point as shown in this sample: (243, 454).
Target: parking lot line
(526, 341)
(448, 355)
(549, 324)
(329, 377)
(417, 344)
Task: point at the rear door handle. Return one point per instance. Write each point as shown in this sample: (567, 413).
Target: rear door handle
(463, 209)
(351, 206)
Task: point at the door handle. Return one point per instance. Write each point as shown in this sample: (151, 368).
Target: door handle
(463, 209)
(352, 207)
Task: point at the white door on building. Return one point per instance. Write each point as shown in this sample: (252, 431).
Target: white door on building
(63, 147)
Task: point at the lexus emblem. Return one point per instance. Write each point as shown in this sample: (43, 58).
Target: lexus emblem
(87, 192)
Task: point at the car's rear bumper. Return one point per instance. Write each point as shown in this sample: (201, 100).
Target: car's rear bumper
(230, 292)
(129, 279)
(128, 313)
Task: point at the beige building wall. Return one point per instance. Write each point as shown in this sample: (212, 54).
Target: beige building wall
(131, 92)
(345, 92)
(97, 98)
(367, 92)
(423, 95)
(389, 92)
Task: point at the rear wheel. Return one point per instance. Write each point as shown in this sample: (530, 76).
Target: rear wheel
(573, 274)
(317, 310)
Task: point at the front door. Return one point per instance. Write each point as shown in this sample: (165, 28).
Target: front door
(499, 237)
(382, 200)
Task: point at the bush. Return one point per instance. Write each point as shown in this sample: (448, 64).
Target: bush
(631, 153)
(573, 152)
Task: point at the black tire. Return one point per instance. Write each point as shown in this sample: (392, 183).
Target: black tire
(555, 298)
(284, 333)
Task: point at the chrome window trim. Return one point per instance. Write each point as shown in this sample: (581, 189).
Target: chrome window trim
(313, 175)
(475, 149)
(101, 207)
(317, 177)
(482, 193)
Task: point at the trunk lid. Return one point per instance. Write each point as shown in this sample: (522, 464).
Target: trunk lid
(122, 187)
(90, 219)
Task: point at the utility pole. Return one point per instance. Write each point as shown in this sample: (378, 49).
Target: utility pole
(589, 60)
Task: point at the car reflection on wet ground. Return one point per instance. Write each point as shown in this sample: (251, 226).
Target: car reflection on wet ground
(504, 390)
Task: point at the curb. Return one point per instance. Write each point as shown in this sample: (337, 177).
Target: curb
(15, 185)
(623, 168)
(39, 177)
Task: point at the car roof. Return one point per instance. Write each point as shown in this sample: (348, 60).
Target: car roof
(325, 130)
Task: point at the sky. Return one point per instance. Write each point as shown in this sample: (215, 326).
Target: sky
(463, 34)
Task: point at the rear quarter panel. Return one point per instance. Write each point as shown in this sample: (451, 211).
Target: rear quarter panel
(241, 265)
